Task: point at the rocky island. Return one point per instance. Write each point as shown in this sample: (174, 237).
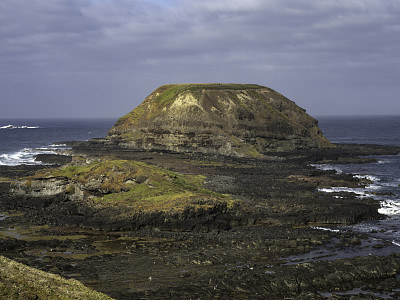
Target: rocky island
(202, 191)
(240, 120)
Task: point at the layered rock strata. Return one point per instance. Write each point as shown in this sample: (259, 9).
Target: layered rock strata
(225, 119)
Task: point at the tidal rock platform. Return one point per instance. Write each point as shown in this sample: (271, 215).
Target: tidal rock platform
(204, 191)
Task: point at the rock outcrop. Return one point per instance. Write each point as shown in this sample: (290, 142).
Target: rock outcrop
(226, 119)
(120, 194)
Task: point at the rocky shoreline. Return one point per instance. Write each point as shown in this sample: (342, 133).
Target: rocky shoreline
(247, 251)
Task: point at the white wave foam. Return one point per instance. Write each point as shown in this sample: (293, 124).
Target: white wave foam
(396, 243)
(361, 192)
(52, 147)
(358, 191)
(327, 168)
(374, 187)
(18, 127)
(368, 177)
(390, 208)
(391, 184)
(326, 229)
(25, 156)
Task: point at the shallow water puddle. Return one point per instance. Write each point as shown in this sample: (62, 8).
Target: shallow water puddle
(71, 242)
(34, 233)
(62, 253)
(334, 250)
(356, 292)
(13, 233)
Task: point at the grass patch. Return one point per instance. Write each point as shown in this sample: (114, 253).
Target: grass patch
(163, 97)
(222, 86)
(18, 281)
(173, 90)
(139, 186)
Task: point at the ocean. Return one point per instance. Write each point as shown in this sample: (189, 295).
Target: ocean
(21, 140)
(382, 130)
(384, 174)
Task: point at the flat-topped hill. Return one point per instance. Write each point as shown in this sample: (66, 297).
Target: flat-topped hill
(228, 119)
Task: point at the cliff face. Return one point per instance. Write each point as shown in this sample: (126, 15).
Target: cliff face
(228, 119)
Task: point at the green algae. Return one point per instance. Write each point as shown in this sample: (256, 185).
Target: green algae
(6, 179)
(12, 213)
(59, 253)
(34, 233)
(66, 243)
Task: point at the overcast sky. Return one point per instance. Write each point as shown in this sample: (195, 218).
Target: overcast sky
(101, 58)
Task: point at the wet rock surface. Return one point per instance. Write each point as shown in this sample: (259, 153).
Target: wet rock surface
(53, 158)
(258, 253)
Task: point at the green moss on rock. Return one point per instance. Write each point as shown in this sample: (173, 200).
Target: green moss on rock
(138, 186)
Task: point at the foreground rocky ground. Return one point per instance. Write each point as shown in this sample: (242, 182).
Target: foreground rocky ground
(266, 246)
(21, 282)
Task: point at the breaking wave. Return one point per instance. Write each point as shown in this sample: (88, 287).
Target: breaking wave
(390, 208)
(26, 156)
(327, 168)
(360, 192)
(18, 127)
(368, 177)
(325, 229)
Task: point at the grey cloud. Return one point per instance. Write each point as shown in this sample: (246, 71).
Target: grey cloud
(127, 46)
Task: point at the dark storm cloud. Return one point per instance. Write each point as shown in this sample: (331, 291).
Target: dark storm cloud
(80, 57)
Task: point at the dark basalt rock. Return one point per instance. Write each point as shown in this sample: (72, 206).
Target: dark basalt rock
(193, 255)
(14, 172)
(279, 190)
(53, 159)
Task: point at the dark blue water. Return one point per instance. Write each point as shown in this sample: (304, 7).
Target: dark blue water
(382, 130)
(21, 139)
